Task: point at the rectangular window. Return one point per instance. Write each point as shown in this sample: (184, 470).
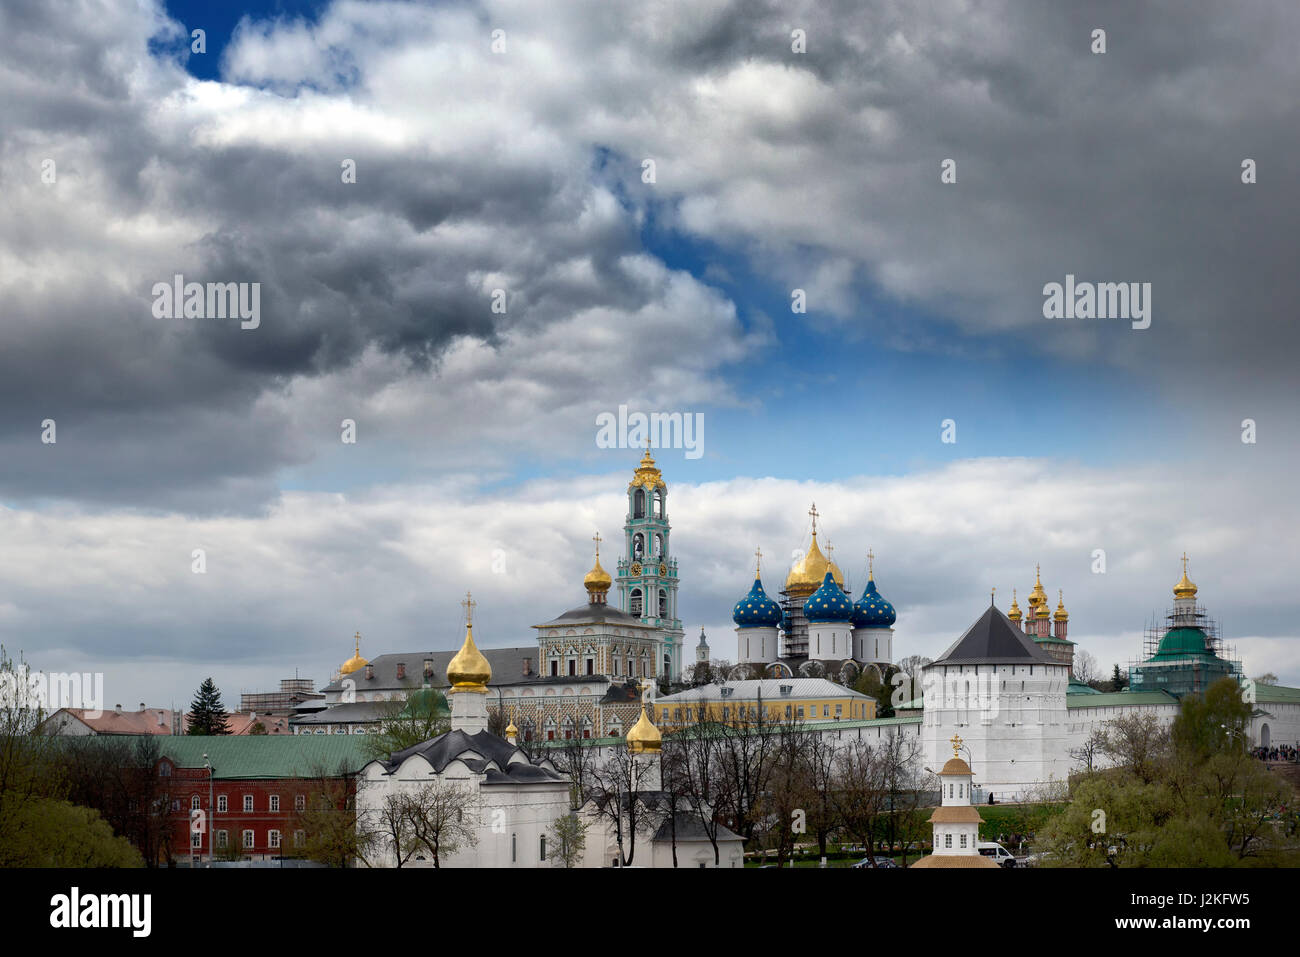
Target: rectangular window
(573, 667)
(299, 803)
(221, 803)
(801, 710)
(248, 839)
(248, 803)
(299, 837)
(839, 710)
(963, 840)
(223, 839)
(274, 838)
(543, 857)
(947, 840)
(555, 669)
(196, 839)
(275, 802)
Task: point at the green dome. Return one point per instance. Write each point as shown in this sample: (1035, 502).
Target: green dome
(1182, 641)
(425, 703)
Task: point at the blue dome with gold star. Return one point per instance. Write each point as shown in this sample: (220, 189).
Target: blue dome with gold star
(871, 610)
(828, 603)
(756, 610)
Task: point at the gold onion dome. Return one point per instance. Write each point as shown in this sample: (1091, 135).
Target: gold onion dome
(469, 670)
(597, 580)
(356, 662)
(511, 730)
(644, 737)
(1037, 596)
(647, 473)
(1185, 588)
(1014, 612)
(808, 573)
(1061, 613)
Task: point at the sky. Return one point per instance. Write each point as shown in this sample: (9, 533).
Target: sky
(503, 271)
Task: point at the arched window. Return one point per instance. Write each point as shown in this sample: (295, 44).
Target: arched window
(663, 603)
(638, 546)
(635, 603)
(659, 503)
(659, 545)
(638, 503)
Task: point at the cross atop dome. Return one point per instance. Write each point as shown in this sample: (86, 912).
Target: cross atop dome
(955, 741)
(469, 604)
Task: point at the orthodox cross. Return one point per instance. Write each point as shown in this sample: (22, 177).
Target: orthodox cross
(468, 604)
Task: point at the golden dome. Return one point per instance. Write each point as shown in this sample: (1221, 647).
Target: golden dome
(1061, 613)
(1037, 596)
(644, 737)
(511, 730)
(469, 670)
(597, 579)
(356, 662)
(808, 573)
(647, 473)
(1014, 612)
(956, 766)
(1185, 588)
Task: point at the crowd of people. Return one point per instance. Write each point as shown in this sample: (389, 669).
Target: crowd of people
(1277, 752)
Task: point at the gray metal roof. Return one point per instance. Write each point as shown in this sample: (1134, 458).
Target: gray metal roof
(482, 752)
(593, 614)
(994, 639)
(507, 668)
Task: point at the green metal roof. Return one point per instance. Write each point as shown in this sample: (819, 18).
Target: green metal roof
(1182, 641)
(1116, 699)
(245, 756)
(1276, 694)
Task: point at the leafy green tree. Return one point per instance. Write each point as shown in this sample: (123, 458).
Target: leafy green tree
(257, 728)
(422, 716)
(54, 833)
(207, 714)
(567, 839)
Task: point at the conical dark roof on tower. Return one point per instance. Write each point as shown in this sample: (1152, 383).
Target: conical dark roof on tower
(994, 639)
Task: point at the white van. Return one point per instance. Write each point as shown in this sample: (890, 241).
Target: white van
(1001, 856)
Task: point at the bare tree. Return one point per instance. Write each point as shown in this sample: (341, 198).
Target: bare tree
(442, 817)
(614, 799)
(1138, 743)
(1086, 668)
(1093, 747)
(329, 820)
(391, 826)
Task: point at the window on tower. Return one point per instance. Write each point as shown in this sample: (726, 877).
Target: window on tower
(663, 603)
(638, 546)
(638, 504)
(659, 503)
(635, 603)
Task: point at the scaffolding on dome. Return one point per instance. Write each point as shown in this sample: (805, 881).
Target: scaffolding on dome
(1183, 674)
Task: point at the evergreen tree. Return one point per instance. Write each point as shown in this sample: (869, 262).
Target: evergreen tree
(1117, 680)
(207, 714)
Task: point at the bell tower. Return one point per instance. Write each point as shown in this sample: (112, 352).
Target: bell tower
(647, 572)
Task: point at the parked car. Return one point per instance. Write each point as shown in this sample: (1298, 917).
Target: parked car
(875, 862)
(1001, 856)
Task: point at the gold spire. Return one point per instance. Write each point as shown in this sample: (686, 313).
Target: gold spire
(1061, 613)
(1037, 596)
(644, 737)
(597, 580)
(758, 562)
(871, 565)
(1185, 588)
(955, 741)
(647, 473)
(806, 575)
(1014, 612)
(469, 670)
(356, 662)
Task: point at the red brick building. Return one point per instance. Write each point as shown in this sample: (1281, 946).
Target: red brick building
(256, 789)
